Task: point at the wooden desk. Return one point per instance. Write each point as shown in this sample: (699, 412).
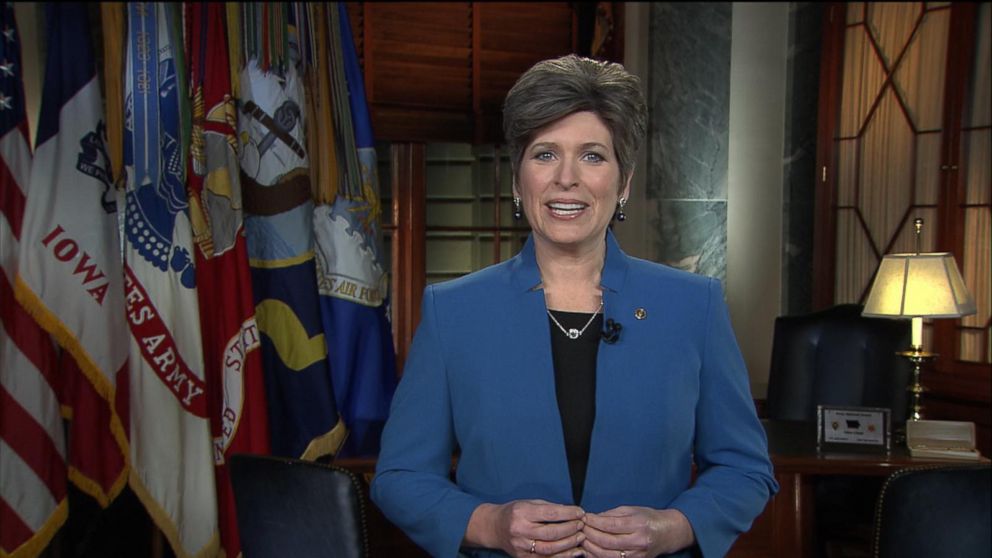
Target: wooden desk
(785, 528)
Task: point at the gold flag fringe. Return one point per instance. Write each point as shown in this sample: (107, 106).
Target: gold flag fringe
(112, 14)
(34, 546)
(67, 340)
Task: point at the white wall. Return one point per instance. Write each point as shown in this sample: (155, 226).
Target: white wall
(759, 52)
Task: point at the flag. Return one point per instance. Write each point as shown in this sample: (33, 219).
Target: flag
(353, 284)
(69, 273)
(33, 501)
(602, 36)
(232, 359)
(303, 416)
(172, 465)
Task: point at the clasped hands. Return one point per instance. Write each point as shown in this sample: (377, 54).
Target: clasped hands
(536, 527)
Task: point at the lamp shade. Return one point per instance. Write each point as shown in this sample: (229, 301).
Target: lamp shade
(919, 285)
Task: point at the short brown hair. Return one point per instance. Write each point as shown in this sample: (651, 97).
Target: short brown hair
(553, 89)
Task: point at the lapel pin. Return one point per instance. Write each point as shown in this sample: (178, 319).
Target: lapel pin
(640, 313)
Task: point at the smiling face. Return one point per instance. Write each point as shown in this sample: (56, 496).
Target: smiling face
(569, 183)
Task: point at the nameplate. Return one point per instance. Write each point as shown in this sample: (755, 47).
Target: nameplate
(866, 428)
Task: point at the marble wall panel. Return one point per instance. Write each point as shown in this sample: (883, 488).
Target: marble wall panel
(689, 133)
(693, 235)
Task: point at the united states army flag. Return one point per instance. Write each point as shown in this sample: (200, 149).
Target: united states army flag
(171, 454)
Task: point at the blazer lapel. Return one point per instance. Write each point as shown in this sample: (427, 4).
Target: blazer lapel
(606, 432)
(542, 443)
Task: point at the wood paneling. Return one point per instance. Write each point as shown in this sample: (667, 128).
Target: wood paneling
(514, 39)
(824, 227)
(438, 71)
(409, 243)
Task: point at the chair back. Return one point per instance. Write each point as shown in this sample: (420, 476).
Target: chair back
(291, 507)
(837, 357)
(935, 512)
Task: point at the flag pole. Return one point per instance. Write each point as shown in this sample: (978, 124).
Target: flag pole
(112, 14)
(325, 186)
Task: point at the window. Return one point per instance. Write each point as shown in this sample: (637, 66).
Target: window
(905, 132)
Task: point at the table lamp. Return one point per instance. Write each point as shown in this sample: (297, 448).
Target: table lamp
(917, 286)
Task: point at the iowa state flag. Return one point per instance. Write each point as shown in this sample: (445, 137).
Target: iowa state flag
(172, 455)
(69, 275)
(231, 340)
(353, 283)
(303, 415)
(32, 445)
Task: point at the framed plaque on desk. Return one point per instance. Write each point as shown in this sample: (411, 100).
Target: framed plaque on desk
(863, 428)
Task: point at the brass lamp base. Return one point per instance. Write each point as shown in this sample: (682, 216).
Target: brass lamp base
(917, 356)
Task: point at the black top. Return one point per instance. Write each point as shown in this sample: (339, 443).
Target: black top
(575, 384)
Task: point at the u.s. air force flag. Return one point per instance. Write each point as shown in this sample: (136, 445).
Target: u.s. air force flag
(171, 450)
(70, 270)
(353, 284)
(303, 415)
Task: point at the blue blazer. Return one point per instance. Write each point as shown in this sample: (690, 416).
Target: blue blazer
(671, 391)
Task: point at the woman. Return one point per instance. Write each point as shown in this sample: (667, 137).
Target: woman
(572, 439)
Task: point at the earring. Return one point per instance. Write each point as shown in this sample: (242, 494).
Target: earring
(621, 216)
(516, 208)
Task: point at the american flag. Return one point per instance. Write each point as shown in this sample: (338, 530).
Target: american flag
(32, 446)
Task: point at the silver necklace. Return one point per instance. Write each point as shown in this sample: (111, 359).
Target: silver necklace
(571, 332)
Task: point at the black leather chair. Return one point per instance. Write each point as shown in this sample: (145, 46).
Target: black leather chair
(290, 507)
(935, 512)
(837, 357)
